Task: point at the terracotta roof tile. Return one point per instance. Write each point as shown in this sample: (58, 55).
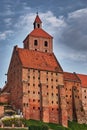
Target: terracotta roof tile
(83, 79)
(71, 76)
(39, 32)
(38, 60)
(37, 19)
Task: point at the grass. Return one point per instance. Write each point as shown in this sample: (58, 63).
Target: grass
(50, 125)
(75, 126)
(72, 125)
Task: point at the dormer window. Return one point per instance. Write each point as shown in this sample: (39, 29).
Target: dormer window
(35, 42)
(45, 43)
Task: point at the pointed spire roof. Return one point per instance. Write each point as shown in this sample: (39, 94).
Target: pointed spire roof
(37, 19)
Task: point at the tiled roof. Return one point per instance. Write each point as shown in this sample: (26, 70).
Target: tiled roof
(39, 32)
(71, 77)
(37, 19)
(83, 79)
(38, 60)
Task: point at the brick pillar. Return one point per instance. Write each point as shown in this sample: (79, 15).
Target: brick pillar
(26, 112)
(63, 119)
(45, 106)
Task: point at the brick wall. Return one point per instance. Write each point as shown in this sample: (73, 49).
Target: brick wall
(1, 111)
(40, 95)
(14, 81)
(69, 97)
(4, 97)
(29, 44)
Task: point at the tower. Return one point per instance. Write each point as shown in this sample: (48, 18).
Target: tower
(38, 39)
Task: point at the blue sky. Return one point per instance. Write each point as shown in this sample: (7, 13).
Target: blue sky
(65, 20)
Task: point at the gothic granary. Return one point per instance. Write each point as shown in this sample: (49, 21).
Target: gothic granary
(38, 86)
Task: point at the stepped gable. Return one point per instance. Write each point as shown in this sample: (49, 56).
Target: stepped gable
(38, 60)
(71, 77)
(83, 79)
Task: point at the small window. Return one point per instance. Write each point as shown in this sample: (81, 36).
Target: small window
(33, 77)
(47, 93)
(52, 109)
(45, 43)
(33, 100)
(35, 42)
(51, 79)
(38, 25)
(52, 102)
(28, 91)
(45, 50)
(28, 84)
(52, 94)
(47, 86)
(84, 90)
(33, 107)
(33, 92)
(38, 92)
(51, 86)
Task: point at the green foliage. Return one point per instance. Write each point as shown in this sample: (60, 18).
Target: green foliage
(39, 125)
(75, 126)
(35, 127)
(45, 127)
(16, 121)
(62, 128)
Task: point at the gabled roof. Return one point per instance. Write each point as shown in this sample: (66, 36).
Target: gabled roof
(38, 60)
(71, 77)
(39, 32)
(37, 20)
(83, 79)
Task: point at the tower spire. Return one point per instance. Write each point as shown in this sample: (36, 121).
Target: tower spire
(37, 23)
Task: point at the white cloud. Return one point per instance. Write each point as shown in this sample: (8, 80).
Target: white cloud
(70, 34)
(74, 36)
(5, 34)
(8, 21)
(78, 14)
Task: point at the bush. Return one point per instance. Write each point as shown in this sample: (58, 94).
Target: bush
(44, 127)
(62, 128)
(16, 121)
(34, 127)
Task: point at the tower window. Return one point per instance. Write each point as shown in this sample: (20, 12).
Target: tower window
(38, 25)
(35, 42)
(45, 43)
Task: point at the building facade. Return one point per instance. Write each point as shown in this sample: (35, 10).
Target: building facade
(38, 86)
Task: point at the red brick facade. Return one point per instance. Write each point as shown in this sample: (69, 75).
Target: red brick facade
(1, 111)
(37, 84)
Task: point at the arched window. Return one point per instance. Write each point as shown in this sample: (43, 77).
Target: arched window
(35, 42)
(45, 43)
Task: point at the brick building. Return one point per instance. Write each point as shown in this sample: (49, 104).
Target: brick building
(38, 86)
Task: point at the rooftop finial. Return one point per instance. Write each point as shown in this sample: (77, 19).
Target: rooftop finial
(37, 12)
